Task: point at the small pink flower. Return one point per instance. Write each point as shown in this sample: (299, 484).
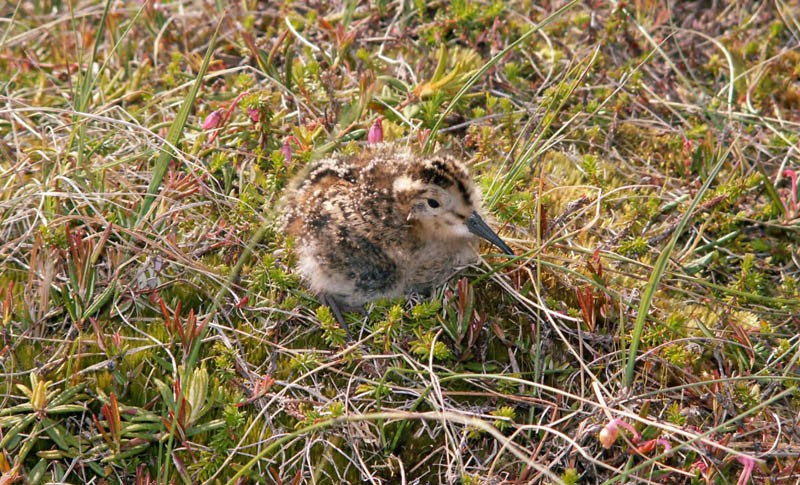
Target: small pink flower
(375, 134)
(608, 435)
(253, 113)
(286, 149)
(213, 120)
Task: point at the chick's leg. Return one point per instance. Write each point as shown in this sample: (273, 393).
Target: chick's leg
(331, 303)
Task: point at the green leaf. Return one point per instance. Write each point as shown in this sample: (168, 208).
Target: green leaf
(661, 266)
(175, 132)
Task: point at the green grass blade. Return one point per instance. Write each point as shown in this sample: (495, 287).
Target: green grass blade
(537, 145)
(175, 132)
(85, 86)
(494, 60)
(661, 266)
(160, 169)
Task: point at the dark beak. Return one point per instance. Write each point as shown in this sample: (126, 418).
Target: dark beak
(477, 226)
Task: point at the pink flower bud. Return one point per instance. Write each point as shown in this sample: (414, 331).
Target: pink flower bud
(286, 149)
(253, 113)
(608, 435)
(375, 134)
(213, 120)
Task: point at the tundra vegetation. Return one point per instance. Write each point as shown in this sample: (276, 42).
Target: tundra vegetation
(641, 157)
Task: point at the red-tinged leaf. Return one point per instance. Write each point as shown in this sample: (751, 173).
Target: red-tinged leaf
(7, 304)
(165, 313)
(98, 334)
(102, 430)
(275, 475)
(297, 477)
(498, 331)
(586, 301)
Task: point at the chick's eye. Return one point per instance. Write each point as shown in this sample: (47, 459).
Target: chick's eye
(433, 203)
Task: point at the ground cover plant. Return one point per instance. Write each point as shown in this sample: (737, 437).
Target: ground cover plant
(640, 156)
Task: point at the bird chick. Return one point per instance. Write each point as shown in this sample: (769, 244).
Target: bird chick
(382, 223)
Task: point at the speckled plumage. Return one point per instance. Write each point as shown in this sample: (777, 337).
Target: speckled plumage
(382, 223)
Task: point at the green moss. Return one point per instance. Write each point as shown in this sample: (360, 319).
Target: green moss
(633, 247)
